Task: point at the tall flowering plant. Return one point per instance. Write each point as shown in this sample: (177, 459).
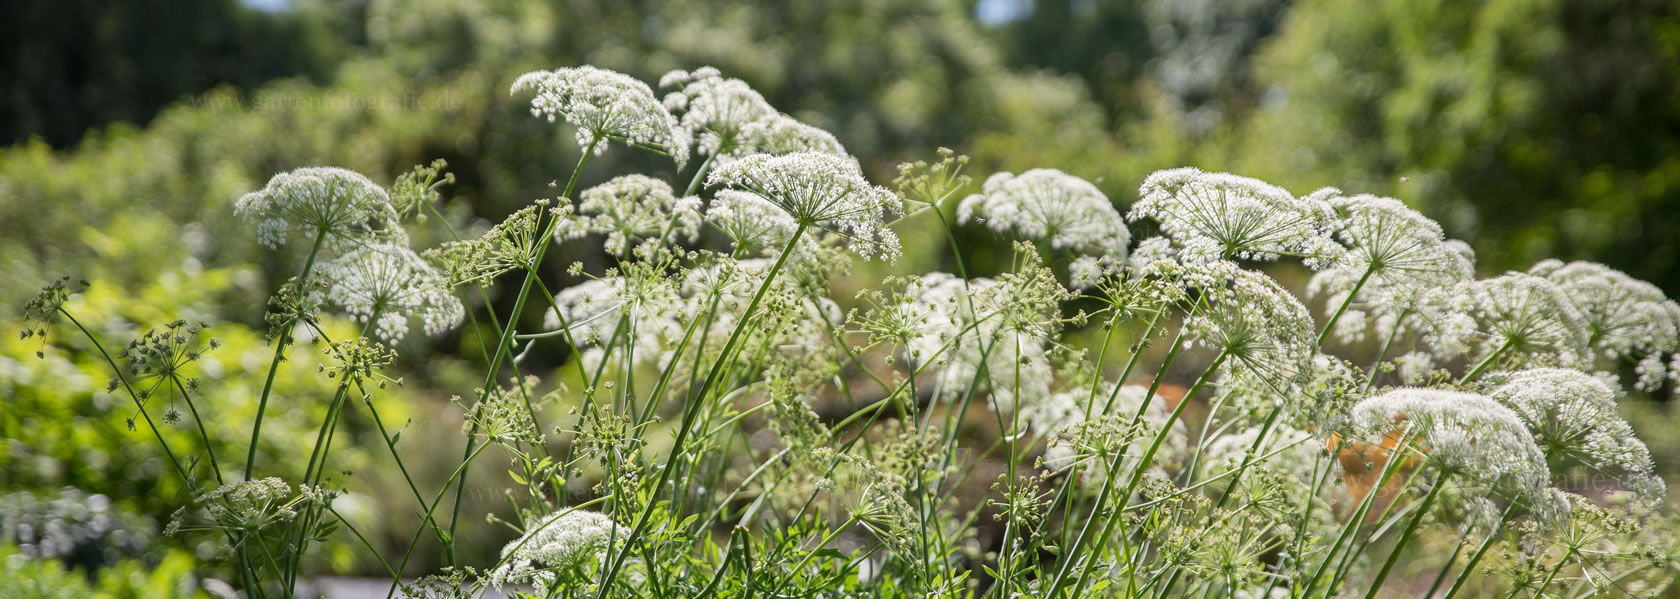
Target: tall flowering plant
(1109, 416)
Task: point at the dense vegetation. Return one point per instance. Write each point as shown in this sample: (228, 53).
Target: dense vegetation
(1528, 129)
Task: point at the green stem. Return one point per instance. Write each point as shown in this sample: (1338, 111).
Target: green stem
(1563, 561)
(1143, 463)
(1486, 362)
(1331, 324)
(503, 344)
(1406, 536)
(1371, 376)
(209, 448)
(460, 472)
(279, 356)
(1470, 566)
(693, 409)
(185, 477)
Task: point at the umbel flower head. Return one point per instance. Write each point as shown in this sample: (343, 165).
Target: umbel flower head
(639, 303)
(1394, 256)
(1210, 216)
(1624, 316)
(245, 506)
(1096, 435)
(821, 190)
(1523, 316)
(340, 206)
(1573, 418)
(751, 222)
(509, 245)
(1469, 436)
(780, 134)
(999, 329)
(605, 105)
(1261, 329)
(713, 108)
(557, 547)
(633, 207)
(391, 284)
(1050, 205)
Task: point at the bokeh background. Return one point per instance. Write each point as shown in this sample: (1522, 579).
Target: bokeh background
(1529, 128)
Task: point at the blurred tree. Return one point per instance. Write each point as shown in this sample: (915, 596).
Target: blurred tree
(1531, 128)
(1192, 53)
(72, 65)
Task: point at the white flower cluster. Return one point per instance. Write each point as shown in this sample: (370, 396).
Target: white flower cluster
(1212, 216)
(730, 120)
(559, 545)
(1574, 419)
(391, 284)
(605, 105)
(1394, 258)
(821, 190)
(998, 329)
(633, 207)
(1469, 436)
(1624, 316)
(1060, 415)
(1263, 330)
(1526, 315)
(751, 222)
(781, 134)
(713, 108)
(341, 206)
(640, 306)
(1050, 205)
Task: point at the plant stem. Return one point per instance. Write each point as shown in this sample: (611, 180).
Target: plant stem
(141, 406)
(1406, 536)
(504, 343)
(1470, 566)
(1331, 324)
(1488, 361)
(279, 356)
(209, 448)
(1371, 376)
(693, 408)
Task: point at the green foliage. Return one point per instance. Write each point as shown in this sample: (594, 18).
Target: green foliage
(172, 577)
(1527, 126)
(72, 66)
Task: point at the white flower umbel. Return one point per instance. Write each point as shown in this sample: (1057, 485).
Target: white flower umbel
(633, 207)
(1394, 255)
(557, 548)
(392, 284)
(1522, 317)
(791, 320)
(1052, 206)
(340, 206)
(605, 105)
(639, 304)
(1212, 216)
(1574, 420)
(999, 330)
(1060, 416)
(713, 108)
(752, 223)
(1470, 437)
(1625, 317)
(1262, 330)
(820, 190)
(780, 135)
